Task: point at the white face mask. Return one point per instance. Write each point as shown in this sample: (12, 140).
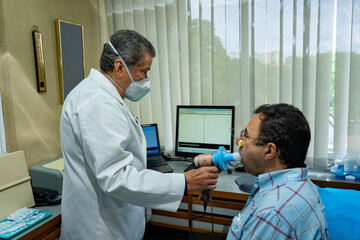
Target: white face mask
(136, 90)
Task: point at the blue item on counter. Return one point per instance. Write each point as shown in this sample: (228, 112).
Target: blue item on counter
(21, 220)
(340, 171)
(356, 174)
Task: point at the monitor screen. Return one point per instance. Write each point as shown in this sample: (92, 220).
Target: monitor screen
(152, 138)
(203, 129)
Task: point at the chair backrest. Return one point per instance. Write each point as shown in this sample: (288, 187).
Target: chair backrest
(342, 210)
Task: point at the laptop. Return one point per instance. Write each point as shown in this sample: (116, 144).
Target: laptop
(155, 160)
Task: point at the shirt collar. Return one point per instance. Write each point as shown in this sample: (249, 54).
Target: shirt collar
(268, 180)
(98, 76)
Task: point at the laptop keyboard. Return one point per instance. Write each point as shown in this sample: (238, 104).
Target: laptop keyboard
(156, 162)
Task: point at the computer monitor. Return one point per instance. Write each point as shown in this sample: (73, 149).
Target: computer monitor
(152, 138)
(203, 129)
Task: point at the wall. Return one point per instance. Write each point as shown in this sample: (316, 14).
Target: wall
(32, 118)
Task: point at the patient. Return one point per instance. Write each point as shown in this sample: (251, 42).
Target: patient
(284, 203)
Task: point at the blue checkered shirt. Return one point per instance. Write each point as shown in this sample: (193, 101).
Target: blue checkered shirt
(283, 204)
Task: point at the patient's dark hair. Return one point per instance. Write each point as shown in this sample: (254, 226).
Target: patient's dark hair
(286, 127)
(130, 45)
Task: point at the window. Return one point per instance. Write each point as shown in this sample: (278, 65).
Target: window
(247, 53)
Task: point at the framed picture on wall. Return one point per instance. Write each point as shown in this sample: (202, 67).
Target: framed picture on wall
(71, 58)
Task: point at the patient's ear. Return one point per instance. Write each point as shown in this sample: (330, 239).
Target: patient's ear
(270, 151)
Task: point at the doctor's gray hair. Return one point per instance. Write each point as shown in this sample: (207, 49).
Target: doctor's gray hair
(130, 45)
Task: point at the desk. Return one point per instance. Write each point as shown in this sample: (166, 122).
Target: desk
(228, 200)
(48, 229)
(327, 179)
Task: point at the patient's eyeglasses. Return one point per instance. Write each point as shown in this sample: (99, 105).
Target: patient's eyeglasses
(243, 134)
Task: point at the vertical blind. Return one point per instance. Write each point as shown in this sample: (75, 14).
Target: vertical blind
(248, 53)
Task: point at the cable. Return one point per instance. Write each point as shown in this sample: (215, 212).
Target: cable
(231, 164)
(205, 196)
(203, 215)
(212, 220)
(193, 218)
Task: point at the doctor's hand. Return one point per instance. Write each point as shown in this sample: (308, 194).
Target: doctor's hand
(201, 178)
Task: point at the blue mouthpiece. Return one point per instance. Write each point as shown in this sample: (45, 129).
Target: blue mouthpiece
(221, 158)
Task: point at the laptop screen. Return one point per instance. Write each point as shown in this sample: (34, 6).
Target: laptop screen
(152, 138)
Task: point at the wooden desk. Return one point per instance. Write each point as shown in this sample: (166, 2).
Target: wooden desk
(228, 200)
(48, 229)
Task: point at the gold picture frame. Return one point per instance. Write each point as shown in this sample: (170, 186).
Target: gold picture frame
(39, 59)
(71, 57)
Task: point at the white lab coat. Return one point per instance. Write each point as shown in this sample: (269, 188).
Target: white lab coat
(106, 183)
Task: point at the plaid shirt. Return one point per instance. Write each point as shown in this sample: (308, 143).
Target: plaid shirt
(283, 204)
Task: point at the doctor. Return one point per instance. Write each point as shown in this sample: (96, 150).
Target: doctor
(107, 190)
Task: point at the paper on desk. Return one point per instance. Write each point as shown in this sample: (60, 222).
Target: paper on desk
(20, 220)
